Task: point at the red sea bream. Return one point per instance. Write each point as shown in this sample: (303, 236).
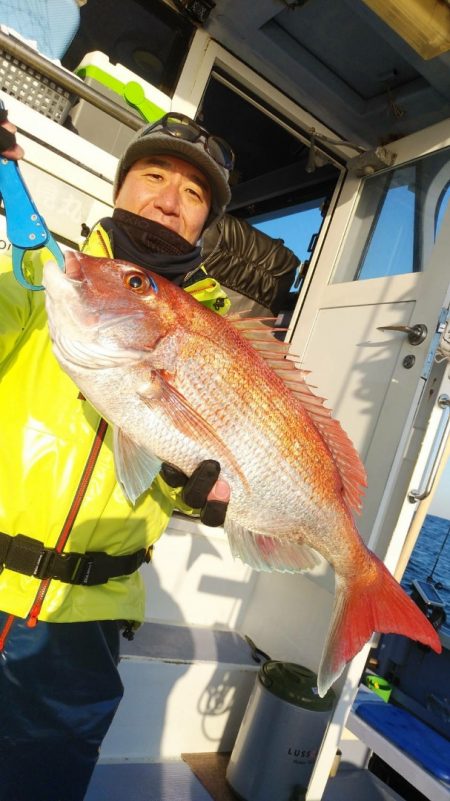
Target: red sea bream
(181, 384)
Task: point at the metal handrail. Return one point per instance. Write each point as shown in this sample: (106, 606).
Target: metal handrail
(442, 435)
(68, 81)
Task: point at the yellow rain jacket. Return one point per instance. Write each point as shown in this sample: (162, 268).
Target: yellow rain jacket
(47, 432)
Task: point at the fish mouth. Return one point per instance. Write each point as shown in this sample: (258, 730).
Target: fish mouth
(73, 269)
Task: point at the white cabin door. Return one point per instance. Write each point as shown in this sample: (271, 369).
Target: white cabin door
(384, 262)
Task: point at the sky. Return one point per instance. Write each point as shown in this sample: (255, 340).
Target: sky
(296, 227)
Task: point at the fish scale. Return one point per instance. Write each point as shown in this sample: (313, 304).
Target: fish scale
(249, 441)
(181, 384)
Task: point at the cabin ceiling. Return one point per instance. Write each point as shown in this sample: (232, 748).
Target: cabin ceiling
(340, 61)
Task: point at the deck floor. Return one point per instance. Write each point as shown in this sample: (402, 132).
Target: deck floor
(201, 777)
(146, 781)
(358, 785)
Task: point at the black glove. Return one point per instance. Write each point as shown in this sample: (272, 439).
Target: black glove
(7, 138)
(196, 489)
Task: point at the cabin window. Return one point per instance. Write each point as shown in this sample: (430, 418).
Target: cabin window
(389, 249)
(298, 226)
(397, 219)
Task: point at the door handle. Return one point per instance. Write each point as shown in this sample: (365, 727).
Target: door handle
(416, 333)
(435, 455)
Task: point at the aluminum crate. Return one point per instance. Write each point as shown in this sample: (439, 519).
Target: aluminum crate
(33, 89)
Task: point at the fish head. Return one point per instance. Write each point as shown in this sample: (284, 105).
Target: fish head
(102, 311)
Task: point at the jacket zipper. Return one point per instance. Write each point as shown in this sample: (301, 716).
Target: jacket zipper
(70, 519)
(5, 630)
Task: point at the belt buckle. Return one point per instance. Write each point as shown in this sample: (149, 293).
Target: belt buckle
(71, 567)
(43, 569)
(82, 569)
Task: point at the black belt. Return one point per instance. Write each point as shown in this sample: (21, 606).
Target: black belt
(29, 556)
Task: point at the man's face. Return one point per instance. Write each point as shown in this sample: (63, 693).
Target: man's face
(168, 191)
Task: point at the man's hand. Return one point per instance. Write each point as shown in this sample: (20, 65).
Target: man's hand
(203, 490)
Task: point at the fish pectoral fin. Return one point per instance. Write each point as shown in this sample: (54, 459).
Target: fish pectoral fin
(187, 420)
(136, 468)
(268, 553)
(164, 395)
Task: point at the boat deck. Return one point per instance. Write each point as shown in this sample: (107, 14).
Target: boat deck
(201, 777)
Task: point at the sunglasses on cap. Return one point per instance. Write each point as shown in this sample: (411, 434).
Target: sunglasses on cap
(182, 127)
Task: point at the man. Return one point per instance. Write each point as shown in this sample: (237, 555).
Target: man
(62, 611)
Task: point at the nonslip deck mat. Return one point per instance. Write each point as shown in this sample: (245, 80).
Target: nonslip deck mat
(163, 781)
(211, 768)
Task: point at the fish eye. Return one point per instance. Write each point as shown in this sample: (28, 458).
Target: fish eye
(137, 281)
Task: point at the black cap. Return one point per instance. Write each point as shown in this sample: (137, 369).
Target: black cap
(157, 142)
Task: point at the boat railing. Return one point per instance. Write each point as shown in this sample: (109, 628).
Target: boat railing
(66, 80)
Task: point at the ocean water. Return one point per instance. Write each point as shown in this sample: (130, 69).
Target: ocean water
(431, 555)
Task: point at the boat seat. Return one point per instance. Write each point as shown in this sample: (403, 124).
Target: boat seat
(419, 741)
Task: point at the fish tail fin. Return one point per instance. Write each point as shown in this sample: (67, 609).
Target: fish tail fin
(365, 605)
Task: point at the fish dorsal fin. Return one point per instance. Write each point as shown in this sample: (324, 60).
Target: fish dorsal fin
(346, 458)
(276, 353)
